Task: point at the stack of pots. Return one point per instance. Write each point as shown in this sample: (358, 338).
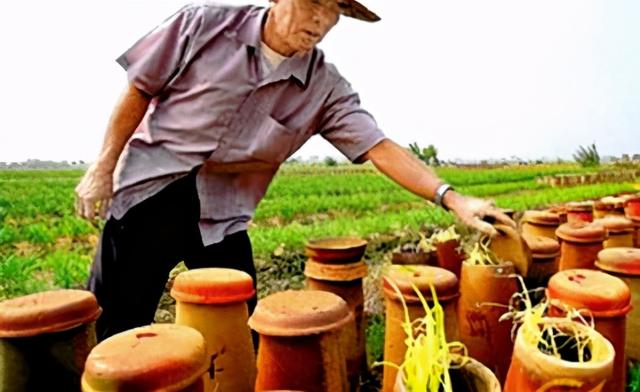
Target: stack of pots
(580, 243)
(405, 278)
(160, 357)
(335, 265)
(632, 211)
(624, 263)
(213, 301)
(540, 223)
(300, 341)
(45, 339)
(580, 211)
(604, 297)
(619, 231)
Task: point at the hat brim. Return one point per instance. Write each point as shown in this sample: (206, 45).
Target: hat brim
(353, 9)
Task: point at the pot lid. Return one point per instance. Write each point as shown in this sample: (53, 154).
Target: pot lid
(546, 217)
(580, 206)
(541, 247)
(299, 313)
(46, 312)
(213, 286)
(615, 223)
(583, 232)
(610, 202)
(620, 260)
(423, 277)
(336, 250)
(335, 272)
(167, 357)
(604, 295)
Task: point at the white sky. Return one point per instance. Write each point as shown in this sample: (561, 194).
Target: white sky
(479, 79)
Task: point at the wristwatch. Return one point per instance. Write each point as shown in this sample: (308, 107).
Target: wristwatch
(439, 196)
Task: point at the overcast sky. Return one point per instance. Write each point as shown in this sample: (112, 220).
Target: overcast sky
(478, 79)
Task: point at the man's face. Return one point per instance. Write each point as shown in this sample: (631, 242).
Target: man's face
(301, 24)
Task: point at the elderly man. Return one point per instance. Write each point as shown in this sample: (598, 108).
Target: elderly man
(218, 98)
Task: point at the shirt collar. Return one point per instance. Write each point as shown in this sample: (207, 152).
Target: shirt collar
(249, 32)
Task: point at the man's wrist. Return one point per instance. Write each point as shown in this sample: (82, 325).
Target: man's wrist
(441, 192)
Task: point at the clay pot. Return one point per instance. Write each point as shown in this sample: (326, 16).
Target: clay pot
(579, 212)
(300, 341)
(509, 245)
(561, 211)
(414, 258)
(541, 223)
(487, 339)
(404, 278)
(471, 377)
(534, 371)
(624, 263)
(579, 244)
(160, 357)
(632, 207)
(213, 301)
(336, 250)
(450, 256)
(345, 280)
(607, 206)
(606, 298)
(619, 231)
(45, 339)
(545, 253)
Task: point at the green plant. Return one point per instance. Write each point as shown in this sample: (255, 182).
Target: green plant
(587, 157)
(634, 378)
(330, 161)
(428, 155)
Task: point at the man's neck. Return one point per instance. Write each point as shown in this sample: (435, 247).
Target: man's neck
(271, 38)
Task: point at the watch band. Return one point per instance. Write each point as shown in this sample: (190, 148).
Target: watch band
(439, 196)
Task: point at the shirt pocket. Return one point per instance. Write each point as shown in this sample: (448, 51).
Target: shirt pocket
(272, 141)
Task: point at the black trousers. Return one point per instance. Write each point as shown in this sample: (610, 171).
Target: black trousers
(137, 252)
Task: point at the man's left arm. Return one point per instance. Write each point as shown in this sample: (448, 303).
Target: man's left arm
(401, 166)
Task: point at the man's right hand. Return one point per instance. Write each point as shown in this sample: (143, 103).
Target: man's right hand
(94, 192)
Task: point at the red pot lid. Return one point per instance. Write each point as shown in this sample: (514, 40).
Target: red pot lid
(336, 250)
(299, 313)
(335, 272)
(167, 357)
(579, 206)
(212, 286)
(546, 218)
(46, 312)
(620, 260)
(631, 199)
(584, 232)
(604, 295)
(615, 223)
(423, 277)
(542, 247)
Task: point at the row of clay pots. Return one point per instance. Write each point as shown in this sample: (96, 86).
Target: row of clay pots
(589, 178)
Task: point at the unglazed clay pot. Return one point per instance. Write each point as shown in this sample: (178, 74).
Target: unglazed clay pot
(213, 301)
(609, 205)
(624, 263)
(404, 278)
(532, 370)
(45, 339)
(345, 280)
(339, 249)
(450, 256)
(604, 297)
(471, 377)
(545, 253)
(632, 207)
(579, 212)
(300, 341)
(619, 230)
(579, 244)
(509, 246)
(487, 339)
(541, 223)
(415, 258)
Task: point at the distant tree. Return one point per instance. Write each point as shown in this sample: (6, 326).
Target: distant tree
(428, 155)
(587, 157)
(330, 161)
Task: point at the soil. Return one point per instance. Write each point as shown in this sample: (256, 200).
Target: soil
(567, 347)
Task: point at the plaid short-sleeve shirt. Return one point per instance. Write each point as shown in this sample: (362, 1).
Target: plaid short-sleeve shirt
(215, 105)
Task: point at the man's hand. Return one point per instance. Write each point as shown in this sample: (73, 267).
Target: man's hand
(94, 192)
(473, 211)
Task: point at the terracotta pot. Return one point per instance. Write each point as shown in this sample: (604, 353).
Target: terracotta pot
(619, 230)
(487, 339)
(561, 211)
(579, 212)
(45, 339)
(540, 223)
(509, 246)
(606, 298)
(300, 341)
(213, 301)
(471, 377)
(414, 258)
(579, 244)
(345, 280)
(545, 254)
(338, 250)
(632, 207)
(160, 357)
(534, 371)
(607, 206)
(449, 256)
(624, 263)
(445, 284)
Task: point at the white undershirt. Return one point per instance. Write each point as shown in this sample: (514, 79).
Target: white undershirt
(273, 58)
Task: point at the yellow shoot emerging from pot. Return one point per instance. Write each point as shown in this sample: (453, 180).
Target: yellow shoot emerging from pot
(480, 254)
(425, 244)
(442, 236)
(429, 356)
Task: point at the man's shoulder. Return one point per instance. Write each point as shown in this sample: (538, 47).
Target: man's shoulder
(213, 12)
(327, 71)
